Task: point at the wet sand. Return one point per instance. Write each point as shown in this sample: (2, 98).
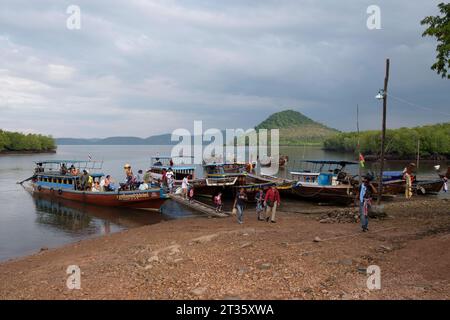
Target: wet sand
(209, 258)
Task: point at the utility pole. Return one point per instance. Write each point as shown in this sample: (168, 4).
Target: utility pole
(383, 134)
(359, 146)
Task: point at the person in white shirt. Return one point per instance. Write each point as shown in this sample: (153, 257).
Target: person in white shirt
(170, 179)
(184, 187)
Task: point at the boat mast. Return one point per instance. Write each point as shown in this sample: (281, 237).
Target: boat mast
(383, 134)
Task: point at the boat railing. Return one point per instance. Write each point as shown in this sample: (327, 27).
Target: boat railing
(55, 167)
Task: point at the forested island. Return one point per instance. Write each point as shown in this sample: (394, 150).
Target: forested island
(16, 142)
(432, 141)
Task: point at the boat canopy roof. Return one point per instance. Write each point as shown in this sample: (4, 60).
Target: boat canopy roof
(339, 162)
(170, 157)
(174, 167)
(62, 161)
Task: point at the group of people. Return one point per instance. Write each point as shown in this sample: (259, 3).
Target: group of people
(266, 204)
(89, 183)
(168, 183)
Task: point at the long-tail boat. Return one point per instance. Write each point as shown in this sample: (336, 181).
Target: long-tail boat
(321, 184)
(229, 178)
(51, 178)
(394, 183)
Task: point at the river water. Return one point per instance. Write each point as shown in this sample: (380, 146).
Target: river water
(28, 223)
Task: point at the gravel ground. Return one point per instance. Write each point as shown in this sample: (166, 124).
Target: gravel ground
(299, 257)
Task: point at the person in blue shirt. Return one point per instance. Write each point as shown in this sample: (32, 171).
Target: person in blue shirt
(366, 189)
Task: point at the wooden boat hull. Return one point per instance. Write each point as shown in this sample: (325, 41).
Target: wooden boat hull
(418, 187)
(341, 194)
(148, 199)
(250, 183)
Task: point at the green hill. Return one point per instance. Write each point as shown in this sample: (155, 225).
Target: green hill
(297, 129)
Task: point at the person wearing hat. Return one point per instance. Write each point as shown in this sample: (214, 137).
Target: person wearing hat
(365, 198)
(129, 177)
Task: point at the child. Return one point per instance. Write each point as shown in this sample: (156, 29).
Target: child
(191, 194)
(445, 184)
(218, 202)
(259, 197)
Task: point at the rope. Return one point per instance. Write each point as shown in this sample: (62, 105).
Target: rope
(418, 106)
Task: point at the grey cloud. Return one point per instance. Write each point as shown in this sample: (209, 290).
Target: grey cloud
(146, 67)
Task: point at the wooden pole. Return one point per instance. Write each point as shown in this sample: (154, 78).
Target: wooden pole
(418, 154)
(383, 134)
(359, 146)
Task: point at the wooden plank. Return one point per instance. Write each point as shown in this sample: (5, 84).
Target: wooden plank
(199, 206)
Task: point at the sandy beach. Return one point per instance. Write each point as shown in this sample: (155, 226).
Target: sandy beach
(212, 258)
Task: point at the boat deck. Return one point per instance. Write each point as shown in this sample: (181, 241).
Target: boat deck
(199, 206)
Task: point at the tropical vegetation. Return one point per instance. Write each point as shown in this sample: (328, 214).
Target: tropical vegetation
(15, 141)
(401, 143)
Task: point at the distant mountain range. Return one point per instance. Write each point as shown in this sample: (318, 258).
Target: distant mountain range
(163, 139)
(295, 129)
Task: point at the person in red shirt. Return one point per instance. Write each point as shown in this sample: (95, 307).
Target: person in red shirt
(271, 202)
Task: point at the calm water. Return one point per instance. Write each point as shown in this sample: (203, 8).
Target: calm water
(28, 223)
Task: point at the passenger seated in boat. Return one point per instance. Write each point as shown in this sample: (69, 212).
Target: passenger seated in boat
(90, 182)
(63, 169)
(108, 184)
(73, 171)
(147, 177)
(96, 187)
(39, 168)
(139, 177)
(158, 162)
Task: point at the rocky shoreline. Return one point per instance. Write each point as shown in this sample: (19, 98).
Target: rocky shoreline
(299, 257)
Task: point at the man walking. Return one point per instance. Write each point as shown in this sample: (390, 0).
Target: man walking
(239, 204)
(271, 202)
(365, 199)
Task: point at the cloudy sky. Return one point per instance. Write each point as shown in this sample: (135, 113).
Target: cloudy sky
(144, 67)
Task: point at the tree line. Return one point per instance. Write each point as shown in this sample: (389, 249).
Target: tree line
(15, 141)
(401, 143)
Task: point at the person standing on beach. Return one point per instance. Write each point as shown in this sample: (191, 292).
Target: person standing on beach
(408, 177)
(445, 184)
(170, 176)
(218, 202)
(271, 202)
(239, 204)
(259, 197)
(365, 199)
(184, 187)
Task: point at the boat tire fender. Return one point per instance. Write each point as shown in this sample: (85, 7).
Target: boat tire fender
(39, 188)
(59, 191)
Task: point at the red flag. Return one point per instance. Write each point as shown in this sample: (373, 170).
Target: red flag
(361, 160)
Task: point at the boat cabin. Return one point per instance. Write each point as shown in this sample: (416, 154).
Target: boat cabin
(322, 172)
(181, 166)
(64, 174)
(222, 174)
